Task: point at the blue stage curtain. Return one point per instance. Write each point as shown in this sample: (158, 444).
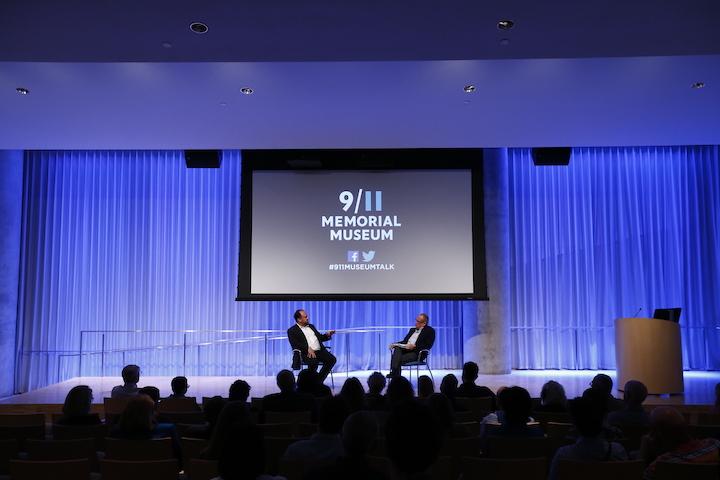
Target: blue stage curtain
(134, 240)
(616, 231)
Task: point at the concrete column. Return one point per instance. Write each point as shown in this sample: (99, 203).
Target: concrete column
(11, 183)
(486, 325)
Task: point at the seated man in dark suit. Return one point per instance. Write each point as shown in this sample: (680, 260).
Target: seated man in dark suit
(304, 336)
(419, 338)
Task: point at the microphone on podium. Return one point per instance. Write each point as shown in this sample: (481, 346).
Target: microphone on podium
(638, 312)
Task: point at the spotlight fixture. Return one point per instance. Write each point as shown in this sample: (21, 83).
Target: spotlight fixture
(198, 27)
(698, 85)
(469, 88)
(22, 90)
(505, 24)
(246, 91)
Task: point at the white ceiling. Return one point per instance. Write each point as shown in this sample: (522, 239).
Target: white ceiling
(358, 74)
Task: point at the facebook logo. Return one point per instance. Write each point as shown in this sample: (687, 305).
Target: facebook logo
(353, 256)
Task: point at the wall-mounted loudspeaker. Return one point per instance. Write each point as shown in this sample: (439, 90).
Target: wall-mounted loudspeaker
(202, 158)
(551, 155)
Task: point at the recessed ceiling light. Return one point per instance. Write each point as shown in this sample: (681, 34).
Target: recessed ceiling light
(504, 41)
(166, 44)
(698, 85)
(505, 24)
(247, 90)
(223, 104)
(198, 27)
(22, 90)
(469, 88)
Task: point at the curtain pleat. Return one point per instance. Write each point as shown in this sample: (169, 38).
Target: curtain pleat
(617, 233)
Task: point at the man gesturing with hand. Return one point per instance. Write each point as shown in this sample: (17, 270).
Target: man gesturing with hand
(303, 336)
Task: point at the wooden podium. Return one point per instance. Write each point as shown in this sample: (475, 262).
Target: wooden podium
(649, 350)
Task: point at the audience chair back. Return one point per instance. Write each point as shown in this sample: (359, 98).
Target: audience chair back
(503, 469)
(444, 468)
(83, 448)
(192, 448)
(573, 470)
(705, 431)
(73, 432)
(279, 429)
(8, 451)
(479, 406)
(114, 407)
(139, 470)
(305, 430)
(558, 430)
(138, 450)
(293, 469)
(188, 404)
(557, 417)
(187, 418)
(50, 470)
(383, 465)
(288, 417)
(198, 469)
(518, 447)
(21, 426)
(708, 419)
(461, 447)
(274, 450)
(694, 471)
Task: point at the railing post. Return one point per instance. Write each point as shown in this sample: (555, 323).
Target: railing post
(102, 357)
(184, 352)
(81, 353)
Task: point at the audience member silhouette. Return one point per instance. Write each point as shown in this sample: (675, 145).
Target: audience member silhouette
(588, 413)
(326, 445)
(468, 388)
(374, 398)
(448, 387)
(131, 377)
(604, 384)
(76, 409)
(211, 410)
(359, 436)
(233, 418)
(308, 381)
(400, 390)
(413, 439)
(241, 455)
(425, 387)
(239, 391)
(354, 395)
(632, 414)
(516, 406)
(441, 408)
(670, 441)
(288, 400)
(552, 398)
(152, 392)
(137, 422)
(717, 399)
(179, 386)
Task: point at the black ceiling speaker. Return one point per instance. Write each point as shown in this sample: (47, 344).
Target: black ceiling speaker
(551, 155)
(202, 158)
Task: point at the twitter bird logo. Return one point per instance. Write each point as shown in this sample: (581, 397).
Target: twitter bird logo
(368, 256)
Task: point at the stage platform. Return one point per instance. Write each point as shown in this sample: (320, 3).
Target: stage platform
(699, 386)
